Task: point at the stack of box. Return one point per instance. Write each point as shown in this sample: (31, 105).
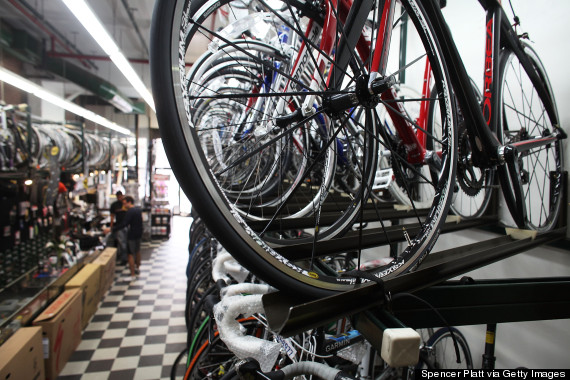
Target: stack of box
(21, 356)
(87, 280)
(106, 260)
(61, 326)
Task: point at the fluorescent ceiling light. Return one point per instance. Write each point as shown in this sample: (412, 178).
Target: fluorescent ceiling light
(28, 86)
(88, 19)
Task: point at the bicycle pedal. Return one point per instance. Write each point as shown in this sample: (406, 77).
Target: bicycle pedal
(400, 347)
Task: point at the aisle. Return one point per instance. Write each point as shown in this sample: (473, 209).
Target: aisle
(139, 327)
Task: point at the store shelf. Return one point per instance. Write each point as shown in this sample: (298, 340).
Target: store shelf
(160, 223)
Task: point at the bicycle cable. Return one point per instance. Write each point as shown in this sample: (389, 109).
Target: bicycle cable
(455, 344)
(515, 17)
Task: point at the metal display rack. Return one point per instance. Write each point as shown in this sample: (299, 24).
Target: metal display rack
(466, 302)
(373, 306)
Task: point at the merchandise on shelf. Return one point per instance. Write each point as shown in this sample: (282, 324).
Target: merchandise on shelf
(161, 222)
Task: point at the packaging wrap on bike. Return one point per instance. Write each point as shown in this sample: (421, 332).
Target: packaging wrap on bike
(243, 346)
(246, 288)
(353, 353)
(236, 271)
(224, 267)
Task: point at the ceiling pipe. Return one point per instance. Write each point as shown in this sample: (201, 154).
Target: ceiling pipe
(56, 54)
(47, 28)
(26, 48)
(135, 25)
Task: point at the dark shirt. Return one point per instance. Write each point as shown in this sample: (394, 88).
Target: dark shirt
(133, 219)
(117, 210)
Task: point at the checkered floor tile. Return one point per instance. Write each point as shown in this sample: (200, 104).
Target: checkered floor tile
(139, 329)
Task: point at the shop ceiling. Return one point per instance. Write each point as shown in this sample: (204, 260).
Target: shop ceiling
(60, 38)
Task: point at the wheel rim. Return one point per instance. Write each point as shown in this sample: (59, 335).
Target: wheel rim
(524, 115)
(262, 243)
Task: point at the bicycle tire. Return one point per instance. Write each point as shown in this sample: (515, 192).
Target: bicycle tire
(540, 171)
(213, 354)
(441, 351)
(173, 19)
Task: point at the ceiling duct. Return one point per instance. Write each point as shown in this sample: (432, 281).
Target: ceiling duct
(28, 49)
(20, 44)
(93, 83)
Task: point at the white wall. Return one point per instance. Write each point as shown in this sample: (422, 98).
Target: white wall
(538, 344)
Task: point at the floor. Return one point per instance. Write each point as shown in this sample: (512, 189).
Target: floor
(139, 329)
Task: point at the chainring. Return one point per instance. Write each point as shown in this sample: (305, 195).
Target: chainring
(469, 181)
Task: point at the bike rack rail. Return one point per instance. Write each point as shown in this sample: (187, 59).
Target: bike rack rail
(460, 303)
(371, 238)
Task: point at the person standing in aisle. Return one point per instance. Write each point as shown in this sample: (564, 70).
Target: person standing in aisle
(119, 238)
(132, 220)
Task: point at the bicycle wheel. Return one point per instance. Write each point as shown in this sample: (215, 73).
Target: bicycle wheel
(440, 351)
(524, 116)
(408, 187)
(259, 104)
(474, 185)
(228, 127)
(212, 359)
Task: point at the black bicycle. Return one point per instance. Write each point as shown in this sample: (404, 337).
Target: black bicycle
(264, 106)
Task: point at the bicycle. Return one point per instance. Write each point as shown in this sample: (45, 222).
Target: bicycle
(322, 352)
(334, 64)
(216, 342)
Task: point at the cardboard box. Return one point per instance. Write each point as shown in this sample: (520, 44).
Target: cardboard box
(92, 256)
(106, 260)
(87, 279)
(61, 327)
(21, 356)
